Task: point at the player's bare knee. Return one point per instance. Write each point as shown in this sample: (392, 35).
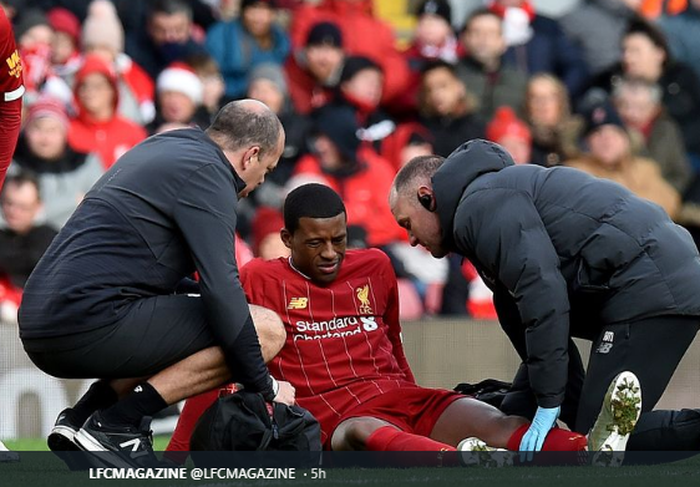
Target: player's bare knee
(270, 330)
(353, 433)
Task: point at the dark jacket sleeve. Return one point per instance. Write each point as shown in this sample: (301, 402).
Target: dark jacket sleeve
(205, 214)
(510, 242)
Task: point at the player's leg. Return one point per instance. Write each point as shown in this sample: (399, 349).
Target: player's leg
(651, 349)
(368, 433)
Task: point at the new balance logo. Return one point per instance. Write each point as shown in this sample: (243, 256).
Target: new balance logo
(609, 336)
(298, 303)
(134, 444)
(138, 389)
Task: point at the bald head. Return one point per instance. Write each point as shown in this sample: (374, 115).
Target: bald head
(245, 123)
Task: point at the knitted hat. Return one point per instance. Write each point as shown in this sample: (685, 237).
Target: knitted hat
(340, 125)
(441, 8)
(271, 72)
(355, 64)
(47, 106)
(325, 33)
(102, 27)
(506, 123)
(63, 20)
(599, 114)
(180, 78)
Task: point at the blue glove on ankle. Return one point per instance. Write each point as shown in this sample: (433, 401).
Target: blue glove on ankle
(539, 428)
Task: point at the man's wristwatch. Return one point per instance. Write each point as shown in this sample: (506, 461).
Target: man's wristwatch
(275, 387)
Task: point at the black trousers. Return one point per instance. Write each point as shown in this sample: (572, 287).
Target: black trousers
(155, 333)
(651, 348)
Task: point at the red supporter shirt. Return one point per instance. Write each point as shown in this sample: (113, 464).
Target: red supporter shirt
(12, 89)
(343, 341)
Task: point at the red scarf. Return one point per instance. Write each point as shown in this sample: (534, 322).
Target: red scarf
(500, 10)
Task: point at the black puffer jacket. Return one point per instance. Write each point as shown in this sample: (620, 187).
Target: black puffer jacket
(564, 252)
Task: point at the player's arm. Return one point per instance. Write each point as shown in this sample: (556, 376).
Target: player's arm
(12, 89)
(510, 240)
(391, 319)
(204, 213)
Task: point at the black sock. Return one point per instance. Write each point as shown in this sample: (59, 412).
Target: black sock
(144, 400)
(99, 396)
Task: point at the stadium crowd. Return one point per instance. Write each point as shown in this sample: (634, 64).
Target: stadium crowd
(610, 88)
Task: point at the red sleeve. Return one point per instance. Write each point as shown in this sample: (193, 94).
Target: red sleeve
(391, 318)
(11, 89)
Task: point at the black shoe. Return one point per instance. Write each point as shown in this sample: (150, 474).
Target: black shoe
(125, 445)
(61, 440)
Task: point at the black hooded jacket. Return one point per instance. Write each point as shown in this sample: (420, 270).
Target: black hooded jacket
(564, 253)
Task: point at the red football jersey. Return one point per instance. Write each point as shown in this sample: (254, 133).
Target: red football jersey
(11, 85)
(343, 340)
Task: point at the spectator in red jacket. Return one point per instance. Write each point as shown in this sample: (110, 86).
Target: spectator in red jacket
(98, 127)
(314, 70)
(360, 176)
(363, 35)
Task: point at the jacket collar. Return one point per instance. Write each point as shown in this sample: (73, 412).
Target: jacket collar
(469, 161)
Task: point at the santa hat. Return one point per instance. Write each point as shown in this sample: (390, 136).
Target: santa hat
(506, 123)
(179, 77)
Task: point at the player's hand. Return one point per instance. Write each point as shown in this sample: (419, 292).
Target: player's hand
(286, 393)
(539, 428)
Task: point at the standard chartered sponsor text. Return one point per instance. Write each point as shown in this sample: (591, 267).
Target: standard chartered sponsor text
(334, 328)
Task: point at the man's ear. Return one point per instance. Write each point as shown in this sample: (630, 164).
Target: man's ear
(286, 238)
(426, 197)
(250, 156)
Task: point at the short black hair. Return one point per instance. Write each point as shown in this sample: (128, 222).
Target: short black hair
(170, 7)
(652, 32)
(481, 12)
(438, 64)
(311, 200)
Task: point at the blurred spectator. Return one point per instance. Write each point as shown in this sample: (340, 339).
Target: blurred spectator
(646, 55)
(448, 110)
(98, 127)
(266, 226)
(167, 39)
(638, 102)
(434, 38)
(537, 44)
(206, 68)
(360, 88)
(363, 35)
(179, 96)
(65, 46)
(410, 140)
(512, 133)
(610, 156)
(34, 38)
(554, 130)
(64, 175)
(683, 33)
(598, 26)
(103, 35)
(241, 44)
(268, 85)
(483, 70)
(22, 241)
(314, 70)
(361, 177)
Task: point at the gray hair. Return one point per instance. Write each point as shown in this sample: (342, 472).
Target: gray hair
(634, 83)
(417, 170)
(244, 123)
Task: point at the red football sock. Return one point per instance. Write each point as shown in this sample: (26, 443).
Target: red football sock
(557, 440)
(387, 438)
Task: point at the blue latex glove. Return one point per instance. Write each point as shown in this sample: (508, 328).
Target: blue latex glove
(539, 428)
